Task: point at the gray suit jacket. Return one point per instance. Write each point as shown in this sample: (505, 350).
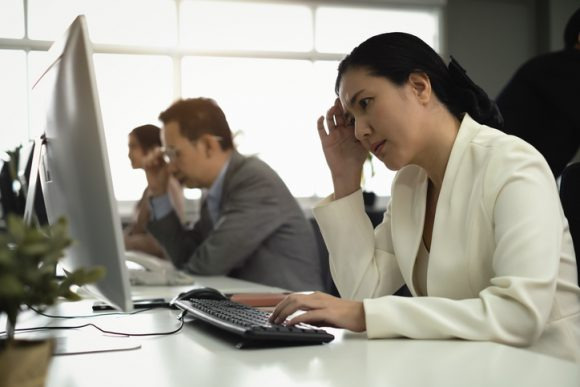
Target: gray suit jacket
(262, 234)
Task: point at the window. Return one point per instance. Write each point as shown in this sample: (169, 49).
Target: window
(12, 94)
(271, 65)
(132, 90)
(12, 19)
(228, 25)
(340, 29)
(127, 22)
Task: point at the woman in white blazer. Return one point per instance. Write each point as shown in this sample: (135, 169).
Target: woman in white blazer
(474, 226)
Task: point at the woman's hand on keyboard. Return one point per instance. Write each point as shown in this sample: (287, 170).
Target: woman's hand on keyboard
(322, 310)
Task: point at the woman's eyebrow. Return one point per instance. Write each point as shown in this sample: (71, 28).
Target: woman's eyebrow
(354, 97)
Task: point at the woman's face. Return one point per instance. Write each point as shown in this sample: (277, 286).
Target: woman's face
(136, 153)
(387, 118)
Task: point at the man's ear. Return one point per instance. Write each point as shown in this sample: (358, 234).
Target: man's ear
(210, 144)
(421, 86)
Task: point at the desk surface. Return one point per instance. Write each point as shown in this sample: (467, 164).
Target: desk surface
(200, 356)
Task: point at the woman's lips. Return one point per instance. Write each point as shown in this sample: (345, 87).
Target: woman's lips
(377, 146)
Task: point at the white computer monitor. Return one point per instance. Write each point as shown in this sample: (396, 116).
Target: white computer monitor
(74, 168)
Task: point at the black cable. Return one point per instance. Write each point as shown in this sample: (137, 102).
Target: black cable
(180, 318)
(90, 315)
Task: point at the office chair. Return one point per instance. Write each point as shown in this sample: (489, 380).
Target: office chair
(570, 197)
(329, 286)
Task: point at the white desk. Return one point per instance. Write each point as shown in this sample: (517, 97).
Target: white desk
(197, 356)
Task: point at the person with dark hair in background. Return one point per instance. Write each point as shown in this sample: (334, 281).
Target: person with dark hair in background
(541, 103)
(142, 140)
(474, 226)
(250, 225)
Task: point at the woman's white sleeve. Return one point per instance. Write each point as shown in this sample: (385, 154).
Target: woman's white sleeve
(361, 264)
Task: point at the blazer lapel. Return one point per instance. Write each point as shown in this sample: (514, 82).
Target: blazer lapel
(408, 216)
(408, 209)
(448, 221)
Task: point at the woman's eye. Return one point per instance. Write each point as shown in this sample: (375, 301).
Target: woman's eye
(364, 102)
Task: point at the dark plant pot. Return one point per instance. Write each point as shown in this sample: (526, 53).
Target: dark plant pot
(24, 363)
(369, 199)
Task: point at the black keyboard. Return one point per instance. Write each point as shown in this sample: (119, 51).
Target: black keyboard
(251, 324)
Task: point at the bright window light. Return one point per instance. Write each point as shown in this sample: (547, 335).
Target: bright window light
(127, 22)
(133, 22)
(277, 118)
(11, 19)
(340, 29)
(37, 64)
(48, 19)
(245, 26)
(272, 99)
(133, 90)
(13, 129)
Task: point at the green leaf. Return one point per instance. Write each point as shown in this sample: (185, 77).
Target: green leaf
(28, 257)
(6, 258)
(36, 248)
(71, 296)
(16, 227)
(10, 287)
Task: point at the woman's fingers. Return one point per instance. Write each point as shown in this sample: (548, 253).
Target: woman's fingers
(319, 317)
(296, 302)
(330, 119)
(321, 309)
(286, 307)
(338, 113)
(321, 129)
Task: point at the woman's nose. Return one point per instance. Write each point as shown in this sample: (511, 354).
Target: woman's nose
(361, 129)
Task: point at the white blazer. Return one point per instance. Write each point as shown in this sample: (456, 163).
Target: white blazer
(501, 265)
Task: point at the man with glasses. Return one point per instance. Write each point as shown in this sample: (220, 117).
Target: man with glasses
(250, 226)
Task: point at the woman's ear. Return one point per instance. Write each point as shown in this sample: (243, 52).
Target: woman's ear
(421, 86)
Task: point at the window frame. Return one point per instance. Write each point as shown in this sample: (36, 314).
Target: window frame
(177, 53)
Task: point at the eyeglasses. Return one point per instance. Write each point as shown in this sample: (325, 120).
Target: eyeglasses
(171, 155)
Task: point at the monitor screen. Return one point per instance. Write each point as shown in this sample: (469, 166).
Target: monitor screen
(11, 200)
(14, 181)
(35, 209)
(74, 168)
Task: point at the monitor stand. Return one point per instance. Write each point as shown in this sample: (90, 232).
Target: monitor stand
(29, 213)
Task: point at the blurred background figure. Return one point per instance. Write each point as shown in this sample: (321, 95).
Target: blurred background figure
(142, 140)
(541, 103)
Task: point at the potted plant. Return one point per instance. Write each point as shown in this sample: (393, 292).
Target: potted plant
(28, 258)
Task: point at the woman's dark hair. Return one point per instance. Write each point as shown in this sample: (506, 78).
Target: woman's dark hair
(396, 55)
(148, 136)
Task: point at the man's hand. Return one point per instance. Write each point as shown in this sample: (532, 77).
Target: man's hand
(157, 172)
